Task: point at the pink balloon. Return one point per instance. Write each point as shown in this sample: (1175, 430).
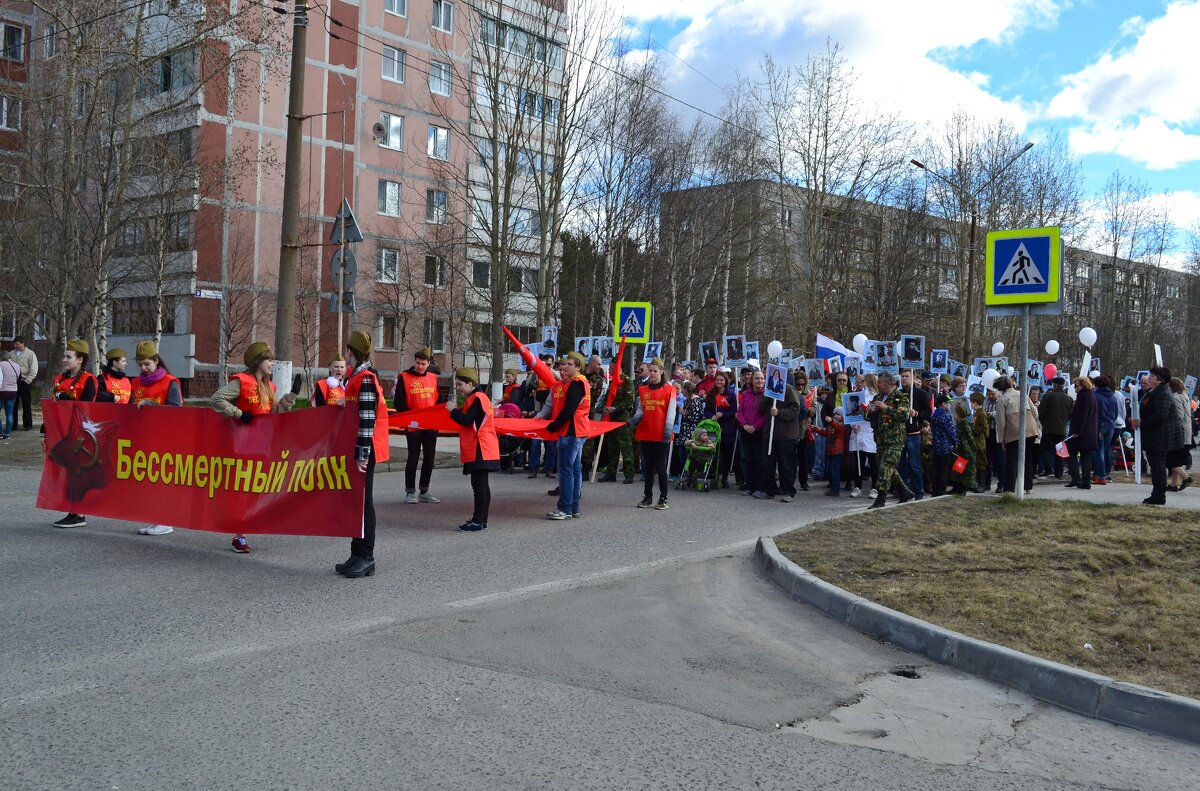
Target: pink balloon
(1050, 370)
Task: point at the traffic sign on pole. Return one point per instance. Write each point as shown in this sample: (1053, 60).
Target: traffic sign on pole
(633, 322)
(1023, 267)
(345, 264)
(345, 219)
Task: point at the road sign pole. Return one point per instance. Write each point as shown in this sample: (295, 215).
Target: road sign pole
(1021, 421)
(341, 277)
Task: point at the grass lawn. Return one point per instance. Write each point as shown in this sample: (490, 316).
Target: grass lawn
(1041, 577)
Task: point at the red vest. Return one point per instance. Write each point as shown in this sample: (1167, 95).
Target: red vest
(655, 403)
(509, 390)
(379, 440)
(68, 388)
(120, 388)
(484, 437)
(419, 391)
(249, 399)
(154, 393)
(580, 419)
(331, 394)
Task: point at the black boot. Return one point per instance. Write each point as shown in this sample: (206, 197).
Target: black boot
(905, 495)
(340, 568)
(359, 567)
(607, 477)
(879, 500)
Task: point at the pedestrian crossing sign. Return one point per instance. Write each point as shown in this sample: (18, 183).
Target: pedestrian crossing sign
(633, 322)
(1024, 266)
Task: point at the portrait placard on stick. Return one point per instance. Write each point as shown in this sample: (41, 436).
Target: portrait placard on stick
(853, 410)
(912, 351)
(939, 361)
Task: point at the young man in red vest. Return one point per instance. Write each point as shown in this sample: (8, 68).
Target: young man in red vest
(417, 388)
(571, 399)
(364, 392)
(331, 391)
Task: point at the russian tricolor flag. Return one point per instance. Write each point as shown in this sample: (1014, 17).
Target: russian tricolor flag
(828, 348)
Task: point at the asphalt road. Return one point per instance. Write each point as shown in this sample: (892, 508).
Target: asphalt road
(625, 650)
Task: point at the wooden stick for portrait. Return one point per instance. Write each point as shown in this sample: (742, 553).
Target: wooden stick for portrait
(771, 435)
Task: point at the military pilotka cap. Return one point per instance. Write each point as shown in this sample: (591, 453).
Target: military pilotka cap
(658, 361)
(145, 350)
(360, 343)
(77, 345)
(254, 351)
(512, 371)
(337, 358)
(469, 374)
(424, 354)
(577, 358)
(114, 354)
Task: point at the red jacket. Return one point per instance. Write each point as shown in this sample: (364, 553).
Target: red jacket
(837, 435)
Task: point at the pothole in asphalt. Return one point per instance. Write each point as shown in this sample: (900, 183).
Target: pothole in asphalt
(874, 733)
(905, 671)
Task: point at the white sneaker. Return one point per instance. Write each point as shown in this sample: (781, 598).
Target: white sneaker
(156, 530)
(874, 493)
(426, 497)
(856, 493)
(411, 498)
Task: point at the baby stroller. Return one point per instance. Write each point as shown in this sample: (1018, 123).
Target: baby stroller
(703, 461)
(514, 451)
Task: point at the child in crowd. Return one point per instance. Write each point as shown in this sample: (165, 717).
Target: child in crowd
(836, 437)
(945, 442)
(819, 441)
(981, 428)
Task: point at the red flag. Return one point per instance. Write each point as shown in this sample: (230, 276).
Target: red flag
(614, 380)
(537, 366)
(437, 418)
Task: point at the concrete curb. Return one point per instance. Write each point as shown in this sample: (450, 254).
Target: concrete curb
(1086, 693)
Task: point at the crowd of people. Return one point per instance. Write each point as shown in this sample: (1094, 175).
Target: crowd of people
(906, 437)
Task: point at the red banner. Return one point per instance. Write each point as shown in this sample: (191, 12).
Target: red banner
(285, 474)
(437, 418)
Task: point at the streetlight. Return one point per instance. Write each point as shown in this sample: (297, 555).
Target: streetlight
(973, 198)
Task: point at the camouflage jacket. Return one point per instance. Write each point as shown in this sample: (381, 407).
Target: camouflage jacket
(893, 428)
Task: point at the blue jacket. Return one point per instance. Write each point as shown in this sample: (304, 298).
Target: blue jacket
(1106, 409)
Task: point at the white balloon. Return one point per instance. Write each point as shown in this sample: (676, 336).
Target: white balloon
(990, 376)
(774, 349)
(997, 349)
(859, 343)
(899, 349)
(1051, 347)
(1011, 370)
(1087, 336)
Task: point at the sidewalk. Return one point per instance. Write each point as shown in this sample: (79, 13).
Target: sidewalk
(1117, 493)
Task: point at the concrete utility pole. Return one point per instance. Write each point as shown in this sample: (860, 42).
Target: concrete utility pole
(289, 237)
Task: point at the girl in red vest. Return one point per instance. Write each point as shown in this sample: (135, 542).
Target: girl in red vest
(331, 391)
(655, 419)
(75, 383)
(478, 446)
(114, 384)
(154, 386)
(250, 393)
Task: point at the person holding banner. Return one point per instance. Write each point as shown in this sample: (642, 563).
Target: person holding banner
(247, 394)
(154, 386)
(417, 388)
(478, 445)
(331, 391)
(364, 390)
(571, 402)
(114, 384)
(779, 449)
(75, 383)
(654, 419)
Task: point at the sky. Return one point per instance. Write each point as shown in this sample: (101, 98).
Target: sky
(1116, 78)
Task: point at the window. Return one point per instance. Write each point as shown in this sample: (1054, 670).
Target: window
(135, 315)
(14, 43)
(1172, 291)
(481, 218)
(435, 335)
(950, 275)
(439, 78)
(438, 146)
(388, 333)
(179, 146)
(527, 163)
(10, 112)
(132, 236)
(481, 335)
(393, 131)
(436, 206)
(785, 218)
(397, 7)
(389, 198)
(389, 266)
(436, 271)
(481, 274)
(9, 177)
(168, 72)
(393, 64)
(51, 37)
(522, 281)
(524, 222)
(178, 232)
(484, 148)
(443, 15)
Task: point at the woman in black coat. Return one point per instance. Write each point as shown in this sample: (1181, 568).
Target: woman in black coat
(1084, 430)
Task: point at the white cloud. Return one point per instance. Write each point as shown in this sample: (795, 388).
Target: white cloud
(1149, 141)
(1154, 76)
(894, 48)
